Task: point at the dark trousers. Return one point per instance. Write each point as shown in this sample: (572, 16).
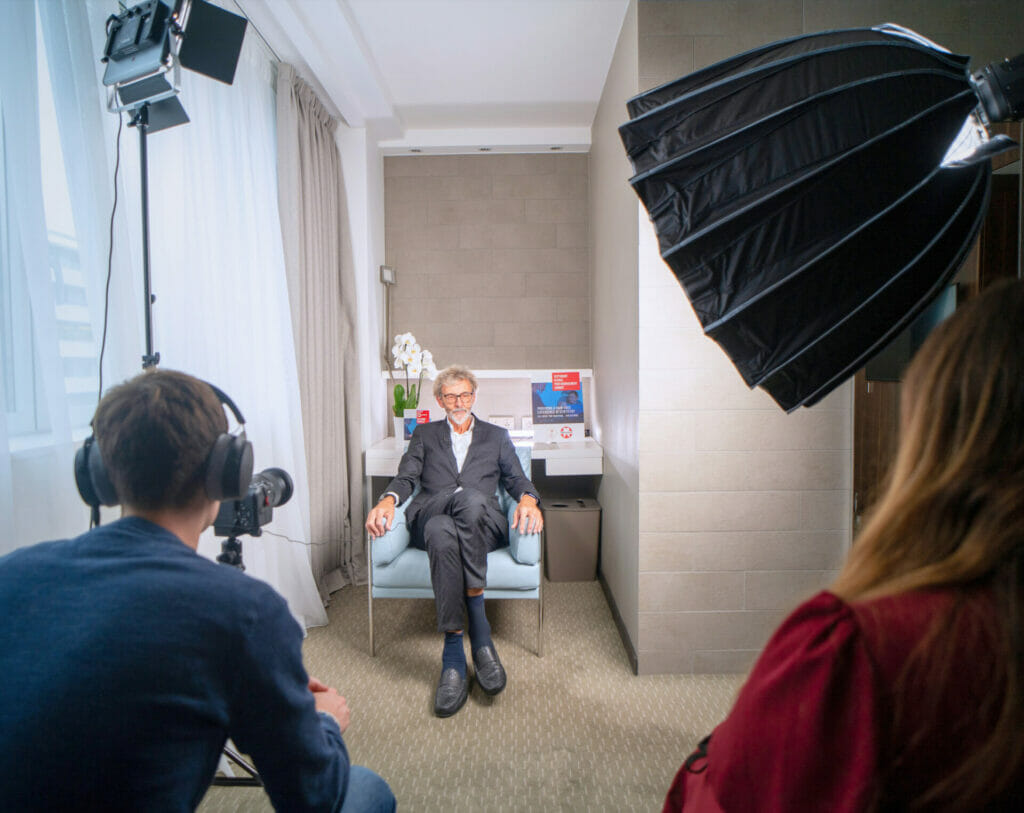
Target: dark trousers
(457, 532)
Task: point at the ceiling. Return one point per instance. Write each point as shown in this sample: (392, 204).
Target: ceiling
(442, 76)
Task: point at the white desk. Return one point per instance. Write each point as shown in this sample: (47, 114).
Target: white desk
(561, 459)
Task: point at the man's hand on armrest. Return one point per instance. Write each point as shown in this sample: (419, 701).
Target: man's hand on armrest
(527, 518)
(328, 700)
(381, 516)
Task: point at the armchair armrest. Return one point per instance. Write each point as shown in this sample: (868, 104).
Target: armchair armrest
(525, 548)
(385, 549)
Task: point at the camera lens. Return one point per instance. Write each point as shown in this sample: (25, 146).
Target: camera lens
(276, 484)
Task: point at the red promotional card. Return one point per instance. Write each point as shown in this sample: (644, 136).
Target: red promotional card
(565, 381)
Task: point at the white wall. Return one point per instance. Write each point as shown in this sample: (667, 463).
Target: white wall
(614, 328)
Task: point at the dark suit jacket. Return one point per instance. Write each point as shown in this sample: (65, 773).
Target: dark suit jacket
(430, 463)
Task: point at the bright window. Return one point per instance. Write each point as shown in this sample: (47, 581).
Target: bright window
(76, 348)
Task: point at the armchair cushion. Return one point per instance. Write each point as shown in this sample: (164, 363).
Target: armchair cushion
(524, 548)
(411, 570)
(385, 549)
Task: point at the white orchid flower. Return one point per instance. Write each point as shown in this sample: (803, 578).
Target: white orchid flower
(412, 359)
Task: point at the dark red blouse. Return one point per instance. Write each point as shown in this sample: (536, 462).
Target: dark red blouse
(846, 709)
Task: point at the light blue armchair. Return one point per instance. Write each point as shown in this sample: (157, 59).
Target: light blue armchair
(399, 570)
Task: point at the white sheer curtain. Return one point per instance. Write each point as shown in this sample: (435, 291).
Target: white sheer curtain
(221, 309)
(50, 336)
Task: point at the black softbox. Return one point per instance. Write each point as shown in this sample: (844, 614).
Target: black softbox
(803, 196)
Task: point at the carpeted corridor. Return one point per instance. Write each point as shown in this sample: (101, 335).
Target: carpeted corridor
(574, 729)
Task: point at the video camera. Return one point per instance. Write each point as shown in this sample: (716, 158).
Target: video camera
(267, 489)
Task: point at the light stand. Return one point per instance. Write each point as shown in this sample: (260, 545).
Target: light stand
(140, 120)
(147, 45)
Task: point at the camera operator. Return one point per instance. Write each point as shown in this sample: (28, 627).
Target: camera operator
(127, 659)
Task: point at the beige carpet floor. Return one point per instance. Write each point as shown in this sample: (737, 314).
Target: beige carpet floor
(575, 730)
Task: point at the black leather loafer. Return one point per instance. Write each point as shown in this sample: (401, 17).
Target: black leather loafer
(490, 674)
(451, 694)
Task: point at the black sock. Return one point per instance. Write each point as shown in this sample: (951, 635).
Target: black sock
(453, 656)
(479, 629)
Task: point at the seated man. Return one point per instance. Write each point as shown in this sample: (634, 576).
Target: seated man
(456, 519)
(127, 659)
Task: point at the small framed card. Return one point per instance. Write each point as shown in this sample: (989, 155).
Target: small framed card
(413, 418)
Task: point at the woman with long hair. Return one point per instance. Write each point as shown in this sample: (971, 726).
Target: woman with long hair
(902, 686)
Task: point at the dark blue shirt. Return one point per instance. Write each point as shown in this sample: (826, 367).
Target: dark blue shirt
(126, 659)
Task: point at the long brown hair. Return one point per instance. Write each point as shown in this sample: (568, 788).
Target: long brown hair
(952, 514)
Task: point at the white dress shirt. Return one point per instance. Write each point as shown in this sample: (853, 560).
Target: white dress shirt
(460, 444)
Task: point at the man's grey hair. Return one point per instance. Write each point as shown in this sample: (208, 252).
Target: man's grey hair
(449, 375)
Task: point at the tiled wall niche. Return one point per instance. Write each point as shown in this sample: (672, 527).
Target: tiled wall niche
(491, 257)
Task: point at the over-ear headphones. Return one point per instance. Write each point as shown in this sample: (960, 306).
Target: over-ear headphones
(228, 467)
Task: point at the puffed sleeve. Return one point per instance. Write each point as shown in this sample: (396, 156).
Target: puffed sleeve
(804, 733)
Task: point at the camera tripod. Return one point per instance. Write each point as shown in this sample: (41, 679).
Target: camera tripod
(229, 754)
(231, 554)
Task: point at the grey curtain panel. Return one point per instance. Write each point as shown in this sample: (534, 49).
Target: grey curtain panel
(322, 295)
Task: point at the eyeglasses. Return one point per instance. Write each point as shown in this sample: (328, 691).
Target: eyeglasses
(462, 397)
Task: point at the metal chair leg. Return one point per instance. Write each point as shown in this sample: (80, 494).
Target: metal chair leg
(369, 593)
(540, 602)
(540, 620)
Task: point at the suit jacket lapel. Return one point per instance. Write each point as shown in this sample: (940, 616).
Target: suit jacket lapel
(476, 443)
(447, 449)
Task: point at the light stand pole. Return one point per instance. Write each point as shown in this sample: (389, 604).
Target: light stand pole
(141, 122)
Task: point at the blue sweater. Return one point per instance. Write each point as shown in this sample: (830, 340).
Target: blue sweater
(126, 659)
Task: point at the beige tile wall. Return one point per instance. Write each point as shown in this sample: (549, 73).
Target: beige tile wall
(491, 256)
(744, 510)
